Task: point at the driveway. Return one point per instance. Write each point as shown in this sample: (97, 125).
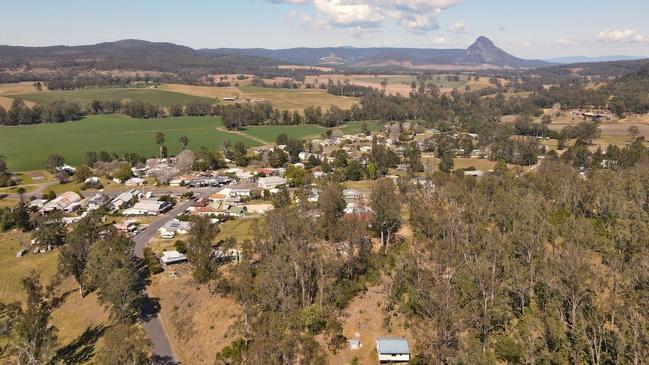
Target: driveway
(162, 350)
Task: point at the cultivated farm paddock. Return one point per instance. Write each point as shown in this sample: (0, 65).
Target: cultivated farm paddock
(291, 99)
(85, 96)
(28, 146)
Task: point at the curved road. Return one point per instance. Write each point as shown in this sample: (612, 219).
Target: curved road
(161, 346)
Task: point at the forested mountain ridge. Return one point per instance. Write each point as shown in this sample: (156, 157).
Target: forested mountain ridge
(482, 52)
(127, 54)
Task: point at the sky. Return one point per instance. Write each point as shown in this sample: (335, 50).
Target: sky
(526, 28)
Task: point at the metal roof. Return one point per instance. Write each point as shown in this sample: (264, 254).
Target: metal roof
(392, 345)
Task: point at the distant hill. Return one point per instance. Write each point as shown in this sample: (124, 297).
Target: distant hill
(600, 69)
(483, 53)
(127, 54)
(585, 59)
(139, 55)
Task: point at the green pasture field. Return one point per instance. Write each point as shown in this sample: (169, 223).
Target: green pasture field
(28, 146)
(305, 131)
(85, 96)
(269, 133)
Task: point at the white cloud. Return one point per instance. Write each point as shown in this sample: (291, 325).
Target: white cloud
(418, 16)
(622, 36)
(459, 28)
(438, 41)
(566, 42)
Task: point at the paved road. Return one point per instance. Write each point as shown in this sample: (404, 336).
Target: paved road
(161, 346)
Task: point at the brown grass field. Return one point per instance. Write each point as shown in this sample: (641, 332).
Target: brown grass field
(280, 98)
(365, 315)
(16, 88)
(196, 321)
(397, 85)
(75, 315)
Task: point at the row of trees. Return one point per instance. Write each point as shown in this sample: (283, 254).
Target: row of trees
(55, 112)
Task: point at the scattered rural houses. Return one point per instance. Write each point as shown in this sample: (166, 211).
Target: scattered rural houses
(392, 350)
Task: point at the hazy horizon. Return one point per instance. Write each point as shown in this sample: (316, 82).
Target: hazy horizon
(528, 30)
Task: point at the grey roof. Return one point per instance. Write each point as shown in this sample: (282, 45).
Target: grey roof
(392, 345)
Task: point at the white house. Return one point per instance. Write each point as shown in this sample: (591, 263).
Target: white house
(240, 192)
(271, 182)
(474, 173)
(67, 168)
(172, 257)
(352, 194)
(173, 227)
(135, 181)
(392, 350)
(147, 207)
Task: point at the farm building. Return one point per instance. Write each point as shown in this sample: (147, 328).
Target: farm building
(66, 202)
(392, 350)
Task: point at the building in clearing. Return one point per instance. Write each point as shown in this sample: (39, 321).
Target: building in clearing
(172, 257)
(392, 350)
(352, 194)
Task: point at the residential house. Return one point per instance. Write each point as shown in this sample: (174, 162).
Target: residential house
(271, 182)
(135, 181)
(392, 350)
(124, 199)
(173, 227)
(352, 194)
(148, 207)
(236, 211)
(474, 173)
(96, 202)
(128, 227)
(172, 257)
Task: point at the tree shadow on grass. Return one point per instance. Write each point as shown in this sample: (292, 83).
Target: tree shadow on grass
(82, 348)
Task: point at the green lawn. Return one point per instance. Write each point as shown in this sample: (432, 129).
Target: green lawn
(85, 96)
(356, 127)
(14, 269)
(306, 131)
(27, 147)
